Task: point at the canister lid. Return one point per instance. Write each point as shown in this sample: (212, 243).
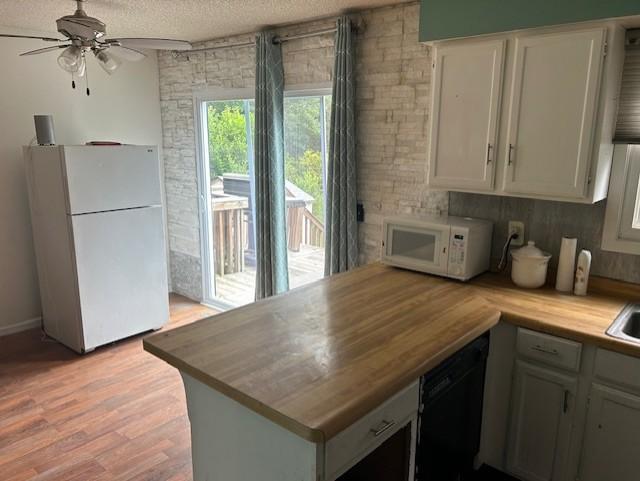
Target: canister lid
(530, 251)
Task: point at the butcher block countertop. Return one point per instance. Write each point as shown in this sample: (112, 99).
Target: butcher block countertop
(581, 318)
(318, 358)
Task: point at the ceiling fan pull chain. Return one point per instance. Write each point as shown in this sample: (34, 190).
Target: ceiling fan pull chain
(73, 81)
(86, 76)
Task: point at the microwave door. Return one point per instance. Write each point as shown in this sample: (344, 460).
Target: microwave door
(419, 248)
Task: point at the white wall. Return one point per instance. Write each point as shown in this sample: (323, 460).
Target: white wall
(124, 107)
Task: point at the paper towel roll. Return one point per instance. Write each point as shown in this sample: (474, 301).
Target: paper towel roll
(566, 264)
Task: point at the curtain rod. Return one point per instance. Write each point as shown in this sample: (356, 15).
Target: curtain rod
(276, 39)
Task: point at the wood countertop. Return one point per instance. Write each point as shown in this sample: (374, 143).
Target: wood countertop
(318, 358)
(581, 318)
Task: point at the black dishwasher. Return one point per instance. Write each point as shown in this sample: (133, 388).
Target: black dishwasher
(451, 415)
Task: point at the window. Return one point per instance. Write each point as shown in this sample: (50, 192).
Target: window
(229, 133)
(226, 178)
(621, 232)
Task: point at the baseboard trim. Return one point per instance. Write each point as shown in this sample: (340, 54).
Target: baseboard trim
(20, 326)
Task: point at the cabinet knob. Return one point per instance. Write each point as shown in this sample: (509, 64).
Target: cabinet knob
(489, 147)
(510, 160)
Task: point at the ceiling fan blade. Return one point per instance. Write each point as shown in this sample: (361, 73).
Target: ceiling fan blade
(126, 53)
(44, 50)
(46, 39)
(152, 43)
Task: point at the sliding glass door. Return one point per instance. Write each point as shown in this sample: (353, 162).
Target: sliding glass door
(226, 184)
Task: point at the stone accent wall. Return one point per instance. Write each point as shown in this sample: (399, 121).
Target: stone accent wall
(393, 86)
(393, 91)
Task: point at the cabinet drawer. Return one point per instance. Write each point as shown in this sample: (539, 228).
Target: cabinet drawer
(551, 350)
(349, 446)
(618, 368)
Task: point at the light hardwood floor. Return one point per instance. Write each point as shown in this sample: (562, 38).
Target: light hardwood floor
(115, 414)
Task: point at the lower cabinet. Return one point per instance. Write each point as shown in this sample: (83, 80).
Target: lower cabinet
(541, 422)
(573, 412)
(611, 448)
(367, 445)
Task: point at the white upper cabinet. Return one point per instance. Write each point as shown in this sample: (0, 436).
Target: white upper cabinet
(466, 98)
(554, 93)
(550, 137)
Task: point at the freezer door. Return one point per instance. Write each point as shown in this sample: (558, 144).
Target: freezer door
(102, 178)
(122, 273)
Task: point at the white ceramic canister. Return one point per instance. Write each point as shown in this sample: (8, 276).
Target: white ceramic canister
(529, 267)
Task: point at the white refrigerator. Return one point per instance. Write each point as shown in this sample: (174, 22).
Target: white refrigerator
(99, 239)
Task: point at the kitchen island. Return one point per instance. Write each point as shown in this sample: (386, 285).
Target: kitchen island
(279, 389)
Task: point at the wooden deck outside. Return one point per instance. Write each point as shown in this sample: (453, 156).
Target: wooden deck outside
(306, 265)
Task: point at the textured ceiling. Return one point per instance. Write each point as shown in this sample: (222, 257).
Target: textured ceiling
(181, 19)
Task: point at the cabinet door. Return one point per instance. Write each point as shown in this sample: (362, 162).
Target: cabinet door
(541, 418)
(612, 440)
(553, 105)
(466, 99)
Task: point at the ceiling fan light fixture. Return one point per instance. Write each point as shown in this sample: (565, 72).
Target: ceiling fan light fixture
(107, 61)
(71, 59)
(82, 33)
(82, 67)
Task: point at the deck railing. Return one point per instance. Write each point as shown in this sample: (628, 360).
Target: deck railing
(312, 230)
(303, 228)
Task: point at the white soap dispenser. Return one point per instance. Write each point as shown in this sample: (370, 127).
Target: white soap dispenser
(582, 273)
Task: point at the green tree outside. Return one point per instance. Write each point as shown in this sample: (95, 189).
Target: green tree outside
(306, 173)
(227, 139)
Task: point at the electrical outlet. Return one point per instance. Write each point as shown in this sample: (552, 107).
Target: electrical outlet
(516, 227)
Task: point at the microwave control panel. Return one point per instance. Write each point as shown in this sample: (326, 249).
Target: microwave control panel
(457, 250)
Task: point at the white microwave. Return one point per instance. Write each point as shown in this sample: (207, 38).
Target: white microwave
(456, 247)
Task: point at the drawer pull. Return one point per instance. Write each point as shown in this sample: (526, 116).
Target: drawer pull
(545, 350)
(384, 426)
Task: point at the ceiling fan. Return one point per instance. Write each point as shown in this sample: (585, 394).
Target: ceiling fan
(86, 34)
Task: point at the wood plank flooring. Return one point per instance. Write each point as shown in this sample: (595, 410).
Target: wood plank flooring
(115, 414)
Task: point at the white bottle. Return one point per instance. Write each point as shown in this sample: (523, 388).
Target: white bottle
(582, 273)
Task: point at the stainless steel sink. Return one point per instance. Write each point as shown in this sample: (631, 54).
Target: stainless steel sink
(627, 325)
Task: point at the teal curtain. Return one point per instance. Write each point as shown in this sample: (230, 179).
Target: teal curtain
(341, 228)
(270, 208)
